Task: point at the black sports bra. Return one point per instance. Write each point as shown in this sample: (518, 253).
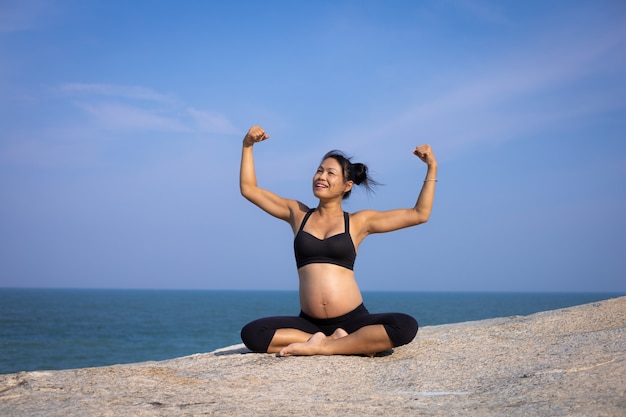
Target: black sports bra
(337, 249)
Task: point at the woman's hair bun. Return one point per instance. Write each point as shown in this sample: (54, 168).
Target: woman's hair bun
(359, 173)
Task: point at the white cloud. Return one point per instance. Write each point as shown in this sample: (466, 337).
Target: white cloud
(116, 116)
(139, 108)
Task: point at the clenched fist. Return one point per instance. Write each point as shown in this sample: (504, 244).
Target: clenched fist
(425, 153)
(254, 135)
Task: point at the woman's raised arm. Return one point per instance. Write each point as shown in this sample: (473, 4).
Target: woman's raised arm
(387, 221)
(271, 203)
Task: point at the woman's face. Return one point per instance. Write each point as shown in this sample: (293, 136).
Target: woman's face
(329, 181)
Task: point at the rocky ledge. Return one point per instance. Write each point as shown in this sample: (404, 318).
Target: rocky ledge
(569, 362)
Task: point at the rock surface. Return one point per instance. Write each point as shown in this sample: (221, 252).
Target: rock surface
(569, 362)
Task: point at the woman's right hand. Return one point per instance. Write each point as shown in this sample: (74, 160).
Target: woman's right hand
(254, 135)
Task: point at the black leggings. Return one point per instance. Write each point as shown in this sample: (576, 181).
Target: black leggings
(401, 328)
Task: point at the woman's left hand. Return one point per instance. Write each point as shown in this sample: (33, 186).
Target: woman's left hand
(425, 153)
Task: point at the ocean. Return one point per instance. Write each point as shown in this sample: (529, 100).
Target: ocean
(50, 329)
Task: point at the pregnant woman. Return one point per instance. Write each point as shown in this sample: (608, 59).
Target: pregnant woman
(333, 319)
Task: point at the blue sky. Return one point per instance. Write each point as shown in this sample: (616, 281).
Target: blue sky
(121, 127)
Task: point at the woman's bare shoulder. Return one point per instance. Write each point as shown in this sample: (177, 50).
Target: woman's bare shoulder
(297, 211)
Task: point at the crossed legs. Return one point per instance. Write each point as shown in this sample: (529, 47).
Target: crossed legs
(357, 333)
(367, 340)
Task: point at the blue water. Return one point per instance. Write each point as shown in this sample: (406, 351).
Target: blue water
(42, 329)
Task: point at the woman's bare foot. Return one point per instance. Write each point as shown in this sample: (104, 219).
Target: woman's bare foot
(313, 346)
(338, 334)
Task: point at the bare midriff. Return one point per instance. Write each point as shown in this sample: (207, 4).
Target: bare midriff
(328, 290)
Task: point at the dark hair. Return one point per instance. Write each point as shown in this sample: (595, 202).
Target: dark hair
(356, 172)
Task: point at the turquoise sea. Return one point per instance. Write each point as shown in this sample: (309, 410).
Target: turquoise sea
(43, 329)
